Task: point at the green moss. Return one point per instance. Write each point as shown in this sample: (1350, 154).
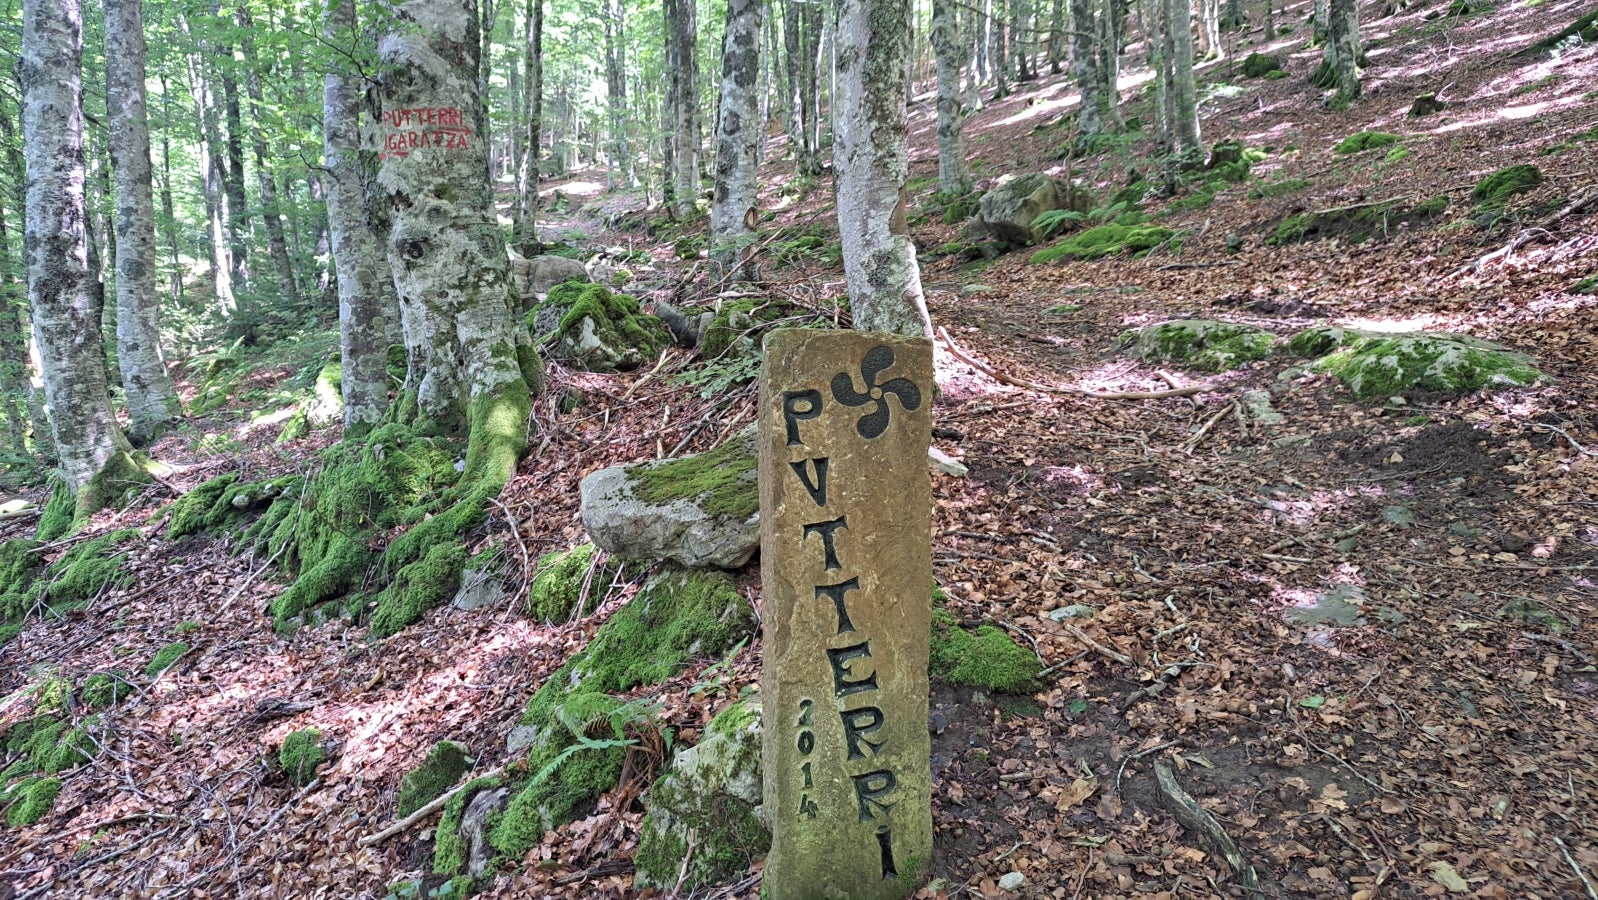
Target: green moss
(56, 520)
(449, 853)
(1399, 153)
(301, 754)
(165, 657)
(1203, 344)
(223, 503)
(87, 569)
(72, 749)
(1313, 343)
(720, 481)
(1432, 208)
(105, 689)
(1259, 65)
(729, 836)
(689, 247)
(736, 324)
(419, 587)
(122, 476)
(568, 584)
(1196, 200)
(1366, 140)
(444, 765)
(19, 584)
(615, 320)
(1282, 188)
(986, 658)
(1131, 195)
(1386, 366)
(1106, 240)
(1497, 188)
(52, 695)
(30, 800)
(679, 615)
(192, 512)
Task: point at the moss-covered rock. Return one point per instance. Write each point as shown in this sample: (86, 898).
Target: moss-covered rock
(1356, 224)
(677, 616)
(87, 569)
(29, 800)
(1313, 343)
(1106, 240)
(321, 405)
(55, 521)
(1396, 364)
(710, 792)
(1259, 65)
(165, 657)
(19, 587)
(1366, 140)
(1202, 344)
(223, 503)
(737, 326)
(105, 689)
(302, 752)
(700, 510)
(599, 330)
(1496, 189)
(444, 765)
(569, 584)
(986, 658)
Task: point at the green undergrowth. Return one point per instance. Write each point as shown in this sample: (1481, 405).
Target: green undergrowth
(985, 658)
(720, 481)
(800, 244)
(444, 765)
(738, 324)
(1107, 240)
(79, 575)
(165, 658)
(569, 584)
(1260, 65)
(49, 741)
(224, 503)
(582, 727)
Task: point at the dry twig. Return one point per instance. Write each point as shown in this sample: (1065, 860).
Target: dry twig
(961, 355)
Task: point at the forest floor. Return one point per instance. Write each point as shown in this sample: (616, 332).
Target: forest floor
(1362, 638)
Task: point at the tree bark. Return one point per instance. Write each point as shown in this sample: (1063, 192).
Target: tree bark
(14, 386)
(467, 352)
(1209, 43)
(1342, 49)
(732, 209)
(614, 17)
(233, 172)
(357, 254)
(1184, 100)
(208, 148)
(871, 160)
(682, 104)
(152, 399)
(949, 50)
(526, 231)
(276, 241)
(1085, 71)
(90, 447)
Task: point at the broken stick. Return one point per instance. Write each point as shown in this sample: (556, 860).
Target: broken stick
(1196, 818)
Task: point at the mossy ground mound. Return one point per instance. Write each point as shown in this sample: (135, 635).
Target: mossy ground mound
(985, 658)
(49, 741)
(223, 503)
(1106, 240)
(1314, 343)
(738, 324)
(1495, 190)
(1366, 140)
(1259, 65)
(569, 584)
(29, 800)
(678, 616)
(1355, 224)
(1202, 344)
(19, 569)
(165, 658)
(720, 481)
(1393, 365)
(438, 772)
(302, 752)
(599, 330)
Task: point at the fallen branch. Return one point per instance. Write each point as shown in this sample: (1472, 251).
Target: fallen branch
(1555, 429)
(434, 806)
(1198, 436)
(1097, 647)
(1000, 377)
(1579, 873)
(1196, 818)
(1527, 235)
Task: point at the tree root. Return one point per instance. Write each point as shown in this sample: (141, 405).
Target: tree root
(1196, 818)
(1529, 234)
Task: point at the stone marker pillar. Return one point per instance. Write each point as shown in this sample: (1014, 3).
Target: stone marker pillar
(846, 567)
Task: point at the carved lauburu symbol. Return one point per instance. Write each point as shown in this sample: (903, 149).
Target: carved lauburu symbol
(874, 423)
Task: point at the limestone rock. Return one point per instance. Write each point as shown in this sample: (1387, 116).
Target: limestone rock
(1257, 404)
(1012, 881)
(946, 464)
(712, 792)
(474, 829)
(700, 510)
(597, 330)
(1202, 344)
(1393, 364)
(535, 277)
(1008, 211)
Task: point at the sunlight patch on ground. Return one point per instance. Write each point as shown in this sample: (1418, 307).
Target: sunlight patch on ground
(1389, 325)
(581, 188)
(1078, 479)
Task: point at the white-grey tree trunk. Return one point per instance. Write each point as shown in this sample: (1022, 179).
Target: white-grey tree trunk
(732, 208)
(871, 161)
(1209, 43)
(950, 52)
(276, 241)
(358, 256)
(1342, 48)
(527, 173)
(1184, 101)
(64, 322)
(1085, 72)
(152, 400)
(683, 104)
(464, 345)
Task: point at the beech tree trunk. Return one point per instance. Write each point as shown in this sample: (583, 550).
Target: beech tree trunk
(1342, 49)
(467, 352)
(949, 50)
(871, 161)
(1085, 71)
(1209, 43)
(208, 149)
(91, 449)
(14, 386)
(526, 231)
(1184, 99)
(152, 400)
(358, 256)
(276, 242)
(233, 171)
(682, 103)
(732, 209)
